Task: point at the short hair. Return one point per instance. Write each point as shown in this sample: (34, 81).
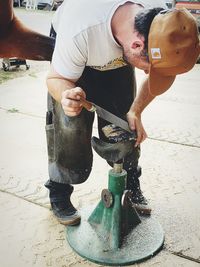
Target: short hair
(143, 20)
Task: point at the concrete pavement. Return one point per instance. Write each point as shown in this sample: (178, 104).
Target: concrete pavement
(31, 237)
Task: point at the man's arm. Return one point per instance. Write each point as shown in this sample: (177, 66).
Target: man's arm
(65, 92)
(134, 115)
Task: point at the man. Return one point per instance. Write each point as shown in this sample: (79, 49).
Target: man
(98, 44)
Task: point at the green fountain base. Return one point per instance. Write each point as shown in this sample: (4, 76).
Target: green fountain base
(144, 241)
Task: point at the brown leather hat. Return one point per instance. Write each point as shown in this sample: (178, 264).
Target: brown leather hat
(173, 48)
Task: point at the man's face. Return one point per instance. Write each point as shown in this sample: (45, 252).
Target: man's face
(135, 59)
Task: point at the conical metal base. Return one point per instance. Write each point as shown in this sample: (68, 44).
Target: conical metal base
(141, 243)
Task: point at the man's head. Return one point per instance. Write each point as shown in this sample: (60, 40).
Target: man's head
(164, 43)
(137, 53)
(173, 48)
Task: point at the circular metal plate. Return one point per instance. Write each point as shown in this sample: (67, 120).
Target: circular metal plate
(142, 243)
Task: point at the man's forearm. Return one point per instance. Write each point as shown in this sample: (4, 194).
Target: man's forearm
(56, 86)
(142, 99)
(65, 92)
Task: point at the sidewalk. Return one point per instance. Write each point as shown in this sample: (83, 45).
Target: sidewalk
(31, 237)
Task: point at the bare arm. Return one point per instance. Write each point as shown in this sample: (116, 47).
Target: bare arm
(65, 92)
(134, 115)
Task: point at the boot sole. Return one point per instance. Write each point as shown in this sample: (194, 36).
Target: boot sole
(73, 221)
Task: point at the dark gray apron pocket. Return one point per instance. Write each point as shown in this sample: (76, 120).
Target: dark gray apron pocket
(50, 134)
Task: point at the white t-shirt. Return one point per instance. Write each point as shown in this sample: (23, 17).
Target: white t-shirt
(84, 35)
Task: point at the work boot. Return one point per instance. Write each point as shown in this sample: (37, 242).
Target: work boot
(137, 199)
(61, 205)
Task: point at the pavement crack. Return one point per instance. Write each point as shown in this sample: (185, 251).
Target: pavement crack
(23, 198)
(180, 254)
(173, 142)
(23, 113)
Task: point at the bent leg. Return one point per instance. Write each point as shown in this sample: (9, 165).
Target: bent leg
(115, 92)
(70, 158)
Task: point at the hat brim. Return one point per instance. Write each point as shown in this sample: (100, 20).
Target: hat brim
(159, 83)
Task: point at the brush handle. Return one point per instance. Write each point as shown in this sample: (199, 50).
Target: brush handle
(87, 105)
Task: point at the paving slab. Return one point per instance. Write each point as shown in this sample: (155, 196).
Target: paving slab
(25, 95)
(171, 182)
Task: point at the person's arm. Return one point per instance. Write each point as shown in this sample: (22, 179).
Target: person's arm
(65, 92)
(134, 115)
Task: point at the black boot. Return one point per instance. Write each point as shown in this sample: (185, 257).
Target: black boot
(61, 205)
(139, 202)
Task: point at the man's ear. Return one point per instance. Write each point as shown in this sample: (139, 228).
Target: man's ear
(138, 45)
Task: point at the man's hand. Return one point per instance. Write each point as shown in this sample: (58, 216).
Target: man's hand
(70, 101)
(135, 123)
(141, 101)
